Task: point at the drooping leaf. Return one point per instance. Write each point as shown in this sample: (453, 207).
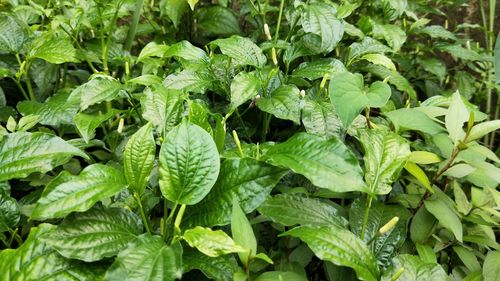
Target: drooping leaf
(162, 107)
(455, 118)
(380, 59)
(53, 112)
(139, 157)
(412, 119)
(13, 34)
(283, 103)
(87, 123)
(67, 193)
(100, 88)
(291, 209)
(318, 68)
(242, 232)
(349, 96)
(24, 153)
(9, 212)
(459, 52)
(212, 243)
(35, 260)
(340, 246)
(468, 258)
(245, 86)
(443, 209)
(422, 225)
(246, 179)
(147, 258)
(327, 163)
(319, 118)
(174, 9)
(53, 48)
(242, 50)
(385, 155)
(189, 164)
(220, 268)
(415, 269)
(95, 234)
(385, 246)
(320, 19)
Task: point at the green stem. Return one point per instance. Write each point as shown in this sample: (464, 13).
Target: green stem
(277, 33)
(365, 218)
(25, 95)
(133, 26)
(178, 220)
(141, 210)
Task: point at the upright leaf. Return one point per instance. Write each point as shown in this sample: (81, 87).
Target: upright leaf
(162, 107)
(443, 209)
(280, 275)
(327, 163)
(212, 243)
(455, 118)
(174, 9)
(242, 50)
(319, 18)
(246, 179)
(189, 164)
(139, 157)
(385, 156)
(340, 246)
(415, 269)
(24, 153)
(67, 193)
(243, 233)
(245, 86)
(95, 234)
(147, 258)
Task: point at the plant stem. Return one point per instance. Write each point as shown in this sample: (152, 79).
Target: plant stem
(133, 26)
(365, 218)
(277, 33)
(141, 210)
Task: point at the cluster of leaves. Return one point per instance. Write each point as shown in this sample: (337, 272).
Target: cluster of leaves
(246, 140)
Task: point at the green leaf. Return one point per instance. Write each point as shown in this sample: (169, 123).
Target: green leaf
(459, 170)
(52, 48)
(385, 246)
(349, 96)
(174, 9)
(139, 158)
(318, 68)
(422, 225)
(482, 129)
(9, 212)
(87, 124)
(185, 50)
(35, 260)
(491, 270)
(280, 275)
(24, 153)
(391, 33)
(367, 46)
(437, 31)
(147, 258)
(468, 258)
(152, 49)
(327, 163)
(320, 118)
(283, 103)
(455, 118)
(245, 86)
(419, 174)
(412, 119)
(212, 243)
(246, 179)
(100, 88)
(162, 107)
(189, 81)
(320, 19)
(217, 20)
(53, 112)
(424, 157)
(13, 34)
(396, 79)
(426, 253)
(242, 50)
(290, 210)
(67, 193)
(95, 234)
(497, 59)
(220, 268)
(434, 66)
(339, 246)
(385, 155)
(243, 233)
(414, 269)
(189, 164)
(445, 213)
(380, 59)
(459, 52)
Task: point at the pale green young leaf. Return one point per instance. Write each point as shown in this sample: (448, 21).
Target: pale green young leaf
(483, 129)
(491, 270)
(280, 276)
(318, 68)
(455, 118)
(380, 59)
(189, 164)
(245, 86)
(424, 157)
(185, 50)
(212, 243)
(426, 253)
(419, 174)
(162, 107)
(243, 233)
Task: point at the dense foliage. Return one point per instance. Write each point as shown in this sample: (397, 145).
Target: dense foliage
(248, 140)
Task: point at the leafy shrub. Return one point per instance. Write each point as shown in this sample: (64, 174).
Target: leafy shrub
(247, 140)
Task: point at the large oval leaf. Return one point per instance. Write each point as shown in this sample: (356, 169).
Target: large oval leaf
(319, 118)
(247, 180)
(245, 86)
(327, 163)
(319, 19)
(54, 111)
(162, 107)
(9, 212)
(189, 164)
(13, 34)
(220, 268)
(34, 260)
(139, 157)
(67, 193)
(100, 88)
(242, 50)
(95, 234)
(295, 209)
(415, 269)
(283, 103)
(338, 245)
(24, 153)
(147, 258)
